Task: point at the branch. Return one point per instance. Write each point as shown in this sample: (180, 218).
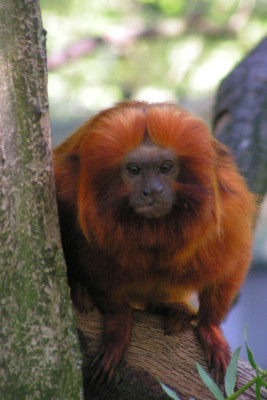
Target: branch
(152, 356)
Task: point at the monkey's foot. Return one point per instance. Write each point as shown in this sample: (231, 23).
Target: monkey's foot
(216, 349)
(178, 317)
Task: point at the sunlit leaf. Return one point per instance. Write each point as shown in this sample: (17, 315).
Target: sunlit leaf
(260, 370)
(170, 7)
(231, 373)
(258, 390)
(146, 1)
(213, 387)
(250, 355)
(263, 383)
(171, 393)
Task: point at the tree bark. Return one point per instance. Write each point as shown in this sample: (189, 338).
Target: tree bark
(39, 354)
(152, 355)
(240, 116)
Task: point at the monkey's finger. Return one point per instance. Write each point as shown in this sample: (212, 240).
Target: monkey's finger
(96, 375)
(224, 365)
(209, 361)
(217, 371)
(96, 359)
(100, 373)
(220, 367)
(106, 364)
(99, 377)
(111, 373)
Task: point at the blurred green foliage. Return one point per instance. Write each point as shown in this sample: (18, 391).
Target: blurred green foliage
(155, 50)
(149, 49)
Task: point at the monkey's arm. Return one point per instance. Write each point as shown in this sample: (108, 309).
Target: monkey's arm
(214, 303)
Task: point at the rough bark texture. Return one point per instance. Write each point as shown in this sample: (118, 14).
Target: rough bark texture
(152, 356)
(39, 357)
(240, 116)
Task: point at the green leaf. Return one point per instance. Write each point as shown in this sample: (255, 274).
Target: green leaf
(250, 355)
(213, 387)
(258, 390)
(171, 393)
(231, 373)
(261, 370)
(263, 383)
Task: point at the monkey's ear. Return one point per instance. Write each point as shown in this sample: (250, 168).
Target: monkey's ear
(73, 161)
(66, 170)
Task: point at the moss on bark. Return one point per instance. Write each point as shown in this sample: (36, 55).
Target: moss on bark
(39, 353)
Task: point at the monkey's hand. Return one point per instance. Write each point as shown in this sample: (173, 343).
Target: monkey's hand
(106, 360)
(117, 330)
(216, 349)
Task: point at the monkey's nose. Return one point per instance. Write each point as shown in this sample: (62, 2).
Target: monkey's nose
(147, 198)
(153, 191)
(150, 195)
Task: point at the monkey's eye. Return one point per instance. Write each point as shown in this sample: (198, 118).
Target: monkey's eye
(166, 167)
(133, 169)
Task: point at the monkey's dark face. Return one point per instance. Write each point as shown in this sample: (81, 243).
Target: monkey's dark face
(149, 171)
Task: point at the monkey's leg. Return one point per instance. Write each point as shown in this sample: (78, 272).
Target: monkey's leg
(80, 297)
(116, 339)
(214, 304)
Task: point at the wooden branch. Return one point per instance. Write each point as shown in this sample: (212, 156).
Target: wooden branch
(152, 356)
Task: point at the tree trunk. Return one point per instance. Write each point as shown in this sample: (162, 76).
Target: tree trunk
(39, 355)
(240, 116)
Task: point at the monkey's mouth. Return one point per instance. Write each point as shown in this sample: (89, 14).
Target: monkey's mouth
(152, 210)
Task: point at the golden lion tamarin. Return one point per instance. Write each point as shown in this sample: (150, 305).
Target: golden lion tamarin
(152, 209)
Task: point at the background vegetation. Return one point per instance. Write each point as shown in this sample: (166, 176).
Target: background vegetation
(104, 51)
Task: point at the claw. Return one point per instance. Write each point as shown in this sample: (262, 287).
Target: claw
(96, 359)
(104, 371)
(210, 362)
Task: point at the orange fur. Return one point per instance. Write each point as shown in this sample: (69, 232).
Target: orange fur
(120, 261)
